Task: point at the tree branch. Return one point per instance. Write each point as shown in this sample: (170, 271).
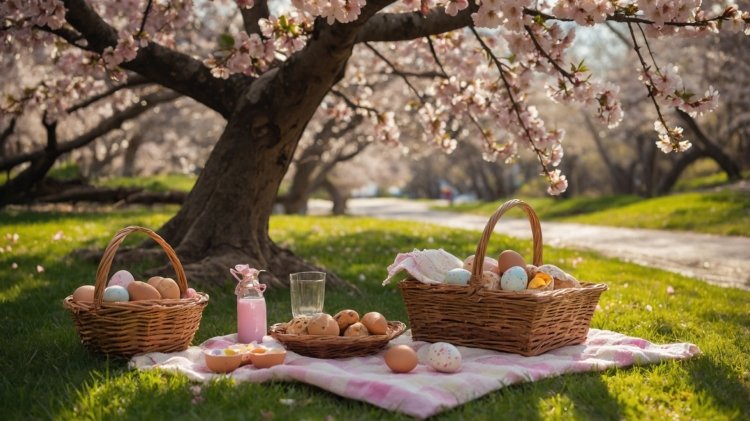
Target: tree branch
(157, 63)
(104, 127)
(251, 16)
(397, 72)
(145, 17)
(408, 26)
(133, 81)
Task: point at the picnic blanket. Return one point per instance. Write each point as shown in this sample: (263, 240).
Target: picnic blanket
(424, 392)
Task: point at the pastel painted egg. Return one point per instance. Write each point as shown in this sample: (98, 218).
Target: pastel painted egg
(189, 293)
(508, 259)
(490, 280)
(444, 357)
(553, 271)
(514, 279)
(122, 278)
(457, 276)
(115, 293)
(490, 264)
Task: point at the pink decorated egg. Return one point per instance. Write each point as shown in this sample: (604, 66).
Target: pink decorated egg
(444, 357)
(121, 278)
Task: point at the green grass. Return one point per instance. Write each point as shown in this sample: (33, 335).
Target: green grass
(152, 183)
(723, 213)
(47, 374)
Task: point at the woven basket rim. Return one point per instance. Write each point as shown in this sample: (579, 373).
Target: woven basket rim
(278, 331)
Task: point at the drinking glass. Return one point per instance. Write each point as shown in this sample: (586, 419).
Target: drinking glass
(307, 291)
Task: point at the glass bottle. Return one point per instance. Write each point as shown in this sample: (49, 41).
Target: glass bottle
(251, 305)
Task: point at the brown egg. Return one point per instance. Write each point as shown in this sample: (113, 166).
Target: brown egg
(167, 287)
(142, 291)
(84, 293)
(401, 358)
(323, 324)
(508, 259)
(346, 318)
(298, 325)
(531, 270)
(356, 329)
(375, 323)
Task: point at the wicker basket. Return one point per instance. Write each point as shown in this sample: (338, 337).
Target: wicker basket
(335, 346)
(128, 328)
(522, 322)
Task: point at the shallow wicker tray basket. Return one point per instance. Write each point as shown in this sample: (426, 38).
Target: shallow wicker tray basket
(522, 322)
(335, 346)
(128, 328)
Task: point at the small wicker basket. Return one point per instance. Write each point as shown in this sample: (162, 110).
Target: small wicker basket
(133, 327)
(335, 346)
(522, 322)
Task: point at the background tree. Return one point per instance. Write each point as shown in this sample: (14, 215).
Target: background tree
(268, 77)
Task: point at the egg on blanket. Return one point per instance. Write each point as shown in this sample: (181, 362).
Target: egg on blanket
(514, 279)
(401, 358)
(457, 276)
(444, 357)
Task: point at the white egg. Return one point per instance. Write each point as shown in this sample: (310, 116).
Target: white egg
(444, 357)
(457, 276)
(514, 279)
(122, 278)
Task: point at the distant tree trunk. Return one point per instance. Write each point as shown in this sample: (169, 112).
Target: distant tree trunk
(712, 149)
(622, 182)
(128, 160)
(669, 179)
(337, 197)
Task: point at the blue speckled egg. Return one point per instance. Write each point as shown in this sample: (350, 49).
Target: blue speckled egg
(116, 293)
(514, 279)
(457, 276)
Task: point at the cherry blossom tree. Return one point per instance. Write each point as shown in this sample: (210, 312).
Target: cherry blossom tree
(269, 72)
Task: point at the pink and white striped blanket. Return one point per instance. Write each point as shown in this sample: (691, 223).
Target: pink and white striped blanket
(425, 392)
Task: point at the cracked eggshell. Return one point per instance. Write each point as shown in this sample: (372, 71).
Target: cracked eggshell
(568, 282)
(514, 279)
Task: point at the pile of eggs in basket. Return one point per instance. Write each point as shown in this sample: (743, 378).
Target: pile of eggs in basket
(123, 287)
(511, 273)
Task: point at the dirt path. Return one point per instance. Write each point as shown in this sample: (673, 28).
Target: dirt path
(716, 259)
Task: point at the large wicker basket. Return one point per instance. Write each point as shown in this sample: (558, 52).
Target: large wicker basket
(133, 327)
(522, 322)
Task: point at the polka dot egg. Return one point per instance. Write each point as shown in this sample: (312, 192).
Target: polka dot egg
(444, 357)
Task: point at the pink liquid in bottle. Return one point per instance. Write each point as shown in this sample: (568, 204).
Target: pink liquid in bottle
(251, 319)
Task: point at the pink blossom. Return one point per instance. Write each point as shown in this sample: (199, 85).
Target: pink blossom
(455, 6)
(558, 183)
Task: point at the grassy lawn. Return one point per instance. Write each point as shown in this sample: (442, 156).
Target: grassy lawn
(723, 213)
(47, 374)
(153, 183)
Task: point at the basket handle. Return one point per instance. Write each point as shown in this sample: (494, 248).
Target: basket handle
(105, 264)
(536, 233)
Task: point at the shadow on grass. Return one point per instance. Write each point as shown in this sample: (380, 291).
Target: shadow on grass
(721, 384)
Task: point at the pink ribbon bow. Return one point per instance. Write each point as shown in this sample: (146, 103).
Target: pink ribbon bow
(244, 273)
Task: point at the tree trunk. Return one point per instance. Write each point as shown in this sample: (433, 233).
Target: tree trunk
(128, 160)
(669, 179)
(225, 218)
(712, 148)
(337, 197)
